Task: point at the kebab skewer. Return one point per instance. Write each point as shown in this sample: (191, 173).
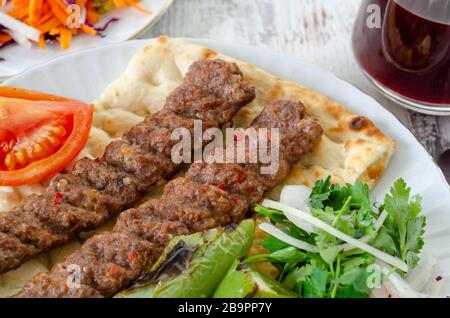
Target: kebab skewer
(96, 191)
(210, 195)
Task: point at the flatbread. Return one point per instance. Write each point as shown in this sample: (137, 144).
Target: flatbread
(352, 148)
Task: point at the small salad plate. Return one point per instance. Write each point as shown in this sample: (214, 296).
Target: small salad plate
(122, 24)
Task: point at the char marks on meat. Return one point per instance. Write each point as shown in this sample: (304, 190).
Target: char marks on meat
(210, 195)
(146, 165)
(94, 191)
(214, 91)
(230, 177)
(297, 134)
(155, 132)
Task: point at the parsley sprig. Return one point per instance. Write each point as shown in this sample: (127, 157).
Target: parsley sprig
(350, 209)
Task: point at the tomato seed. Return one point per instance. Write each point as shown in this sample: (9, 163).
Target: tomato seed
(38, 150)
(59, 131)
(53, 141)
(20, 158)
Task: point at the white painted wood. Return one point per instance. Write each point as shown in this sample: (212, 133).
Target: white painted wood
(315, 31)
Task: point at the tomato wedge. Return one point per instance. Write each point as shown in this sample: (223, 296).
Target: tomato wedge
(40, 134)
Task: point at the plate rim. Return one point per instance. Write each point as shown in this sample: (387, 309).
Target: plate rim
(205, 41)
(166, 5)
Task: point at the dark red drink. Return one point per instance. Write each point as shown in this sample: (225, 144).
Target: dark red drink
(408, 54)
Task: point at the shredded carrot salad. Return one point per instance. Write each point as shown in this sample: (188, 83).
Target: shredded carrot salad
(62, 19)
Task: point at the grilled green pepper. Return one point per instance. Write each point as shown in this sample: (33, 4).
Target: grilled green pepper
(242, 281)
(194, 265)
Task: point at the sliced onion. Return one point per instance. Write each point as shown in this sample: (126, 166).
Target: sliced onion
(19, 38)
(401, 288)
(297, 217)
(394, 285)
(19, 29)
(423, 276)
(279, 234)
(297, 196)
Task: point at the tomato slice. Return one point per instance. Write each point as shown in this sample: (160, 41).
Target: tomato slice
(40, 134)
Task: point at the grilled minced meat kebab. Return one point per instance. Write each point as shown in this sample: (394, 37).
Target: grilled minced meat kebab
(210, 195)
(97, 190)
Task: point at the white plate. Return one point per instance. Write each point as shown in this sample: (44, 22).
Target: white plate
(131, 23)
(84, 75)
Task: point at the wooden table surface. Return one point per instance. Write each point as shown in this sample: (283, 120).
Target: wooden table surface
(315, 31)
